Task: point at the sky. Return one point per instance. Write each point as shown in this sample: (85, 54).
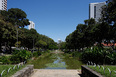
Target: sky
(54, 18)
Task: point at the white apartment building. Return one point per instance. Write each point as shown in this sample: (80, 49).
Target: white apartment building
(32, 25)
(95, 10)
(3, 4)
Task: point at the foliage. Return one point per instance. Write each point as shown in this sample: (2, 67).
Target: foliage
(101, 71)
(53, 60)
(99, 56)
(5, 60)
(109, 17)
(17, 57)
(62, 45)
(11, 72)
(52, 46)
(7, 32)
(9, 20)
(15, 20)
(27, 37)
(30, 37)
(16, 16)
(76, 54)
(36, 54)
(86, 35)
(18, 44)
(20, 56)
(109, 12)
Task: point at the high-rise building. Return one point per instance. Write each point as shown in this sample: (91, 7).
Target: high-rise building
(95, 10)
(3, 4)
(32, 25)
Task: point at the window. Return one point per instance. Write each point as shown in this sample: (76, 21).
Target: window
(94, 11)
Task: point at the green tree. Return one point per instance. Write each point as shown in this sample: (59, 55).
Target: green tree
(7, 33)
(109, 17)
(17, 17)
(27, 37)
(41, 44)
(101, 32)
(109, 12)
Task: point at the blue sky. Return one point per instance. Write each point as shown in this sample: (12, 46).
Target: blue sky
(54, 18)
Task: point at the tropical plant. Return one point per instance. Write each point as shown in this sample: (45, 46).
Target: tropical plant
(99, 56)
(20, 56)
(5, 60)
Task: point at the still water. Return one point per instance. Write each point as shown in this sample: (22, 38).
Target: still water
(56, 61)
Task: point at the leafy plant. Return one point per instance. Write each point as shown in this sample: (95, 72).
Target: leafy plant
(36, 54)
(17, 56)
(5, 60)
(98, 56)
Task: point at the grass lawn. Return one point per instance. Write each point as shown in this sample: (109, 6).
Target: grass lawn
(101, 71)
(11, 72)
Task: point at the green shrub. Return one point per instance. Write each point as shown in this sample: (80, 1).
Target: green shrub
(76, 54)
(111, 58)
(47, 51)
(36, 54)
(5, 60)
(98, 56)
(17, 57)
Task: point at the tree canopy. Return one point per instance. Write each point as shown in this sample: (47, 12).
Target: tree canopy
(13, 18)
(87, 34)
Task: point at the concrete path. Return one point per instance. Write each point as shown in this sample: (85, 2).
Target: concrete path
(55, 73)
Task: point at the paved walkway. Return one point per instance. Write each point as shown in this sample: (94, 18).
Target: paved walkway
(55, 73)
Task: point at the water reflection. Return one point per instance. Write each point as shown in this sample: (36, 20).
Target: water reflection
(56, 61)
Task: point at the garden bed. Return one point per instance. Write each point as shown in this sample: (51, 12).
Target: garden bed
(106, 70)
(9, 70)
(98, 71)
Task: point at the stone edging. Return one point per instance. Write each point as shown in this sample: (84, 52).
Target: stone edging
(25, 72)
(87, 72)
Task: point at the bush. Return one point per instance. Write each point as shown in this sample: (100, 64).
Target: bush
(111, 58)
(76, 54)
(5, 60)
(98, 56)
(20, 56)
(17, 57)
(36, 54)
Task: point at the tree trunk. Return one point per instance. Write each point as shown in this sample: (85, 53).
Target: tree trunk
(0, 47)
(10, 49)
(38, 48)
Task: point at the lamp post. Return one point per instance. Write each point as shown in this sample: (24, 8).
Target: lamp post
(17, 33)
(17, 36)
(33, 44)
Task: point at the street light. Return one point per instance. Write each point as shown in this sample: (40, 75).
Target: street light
(33, 44)
(17, 34)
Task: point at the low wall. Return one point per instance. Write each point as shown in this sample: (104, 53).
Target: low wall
(25, 72)
(87, 72)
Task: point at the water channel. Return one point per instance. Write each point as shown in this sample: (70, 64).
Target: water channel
(56, 61)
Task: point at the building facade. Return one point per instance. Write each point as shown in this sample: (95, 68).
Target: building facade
(32, 25)
(95, 10)
(3, 4)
